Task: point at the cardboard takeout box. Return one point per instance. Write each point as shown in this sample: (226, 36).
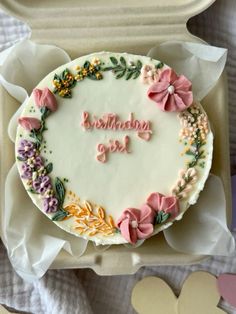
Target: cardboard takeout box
(82, 27)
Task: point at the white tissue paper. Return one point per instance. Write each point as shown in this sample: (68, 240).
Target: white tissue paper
(32, 240)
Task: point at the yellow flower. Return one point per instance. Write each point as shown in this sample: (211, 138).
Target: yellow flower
(65, 83)
(98, 75)
(69, 77)
(91, 68)
(84, 72)
(64, 92)
(57, 84)
(79, 77)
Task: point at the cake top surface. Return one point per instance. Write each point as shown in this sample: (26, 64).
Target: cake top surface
(118, 152)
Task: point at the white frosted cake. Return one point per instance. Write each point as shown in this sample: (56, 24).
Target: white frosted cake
(113, 148)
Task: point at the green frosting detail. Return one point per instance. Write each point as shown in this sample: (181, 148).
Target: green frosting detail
(162, 217)
(64, 82)
(60, 195)
(121, 69)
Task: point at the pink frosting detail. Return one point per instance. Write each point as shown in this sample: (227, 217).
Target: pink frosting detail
(102, 150)
(110, 121)
(136, 224)
(171, 92)
(45, 98)
(29, 123)
(144, 136)
(149, 74)
(168, 204)
(112, 147)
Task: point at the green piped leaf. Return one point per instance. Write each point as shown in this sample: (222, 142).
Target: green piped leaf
(139, 64)
(129, 75)
(114, 60)
(49, 168)
(122, 61)
(159, 65)
(86, 64)
(57, 77)
(121, 74)
(21, 158)
(45, 112)
(107, 69)
(136, 74)
(60, 191)
(162, 217)
(60, 215)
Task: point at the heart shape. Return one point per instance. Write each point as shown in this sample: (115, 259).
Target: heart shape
(101, 157)
(227, 288)
(199, 295)
(144, 135)
(151, 295)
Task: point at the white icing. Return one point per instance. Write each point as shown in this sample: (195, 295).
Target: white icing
(125, 180)
(171, 89)
(134, 224)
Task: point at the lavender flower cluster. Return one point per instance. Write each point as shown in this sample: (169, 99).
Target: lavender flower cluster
(34, 171)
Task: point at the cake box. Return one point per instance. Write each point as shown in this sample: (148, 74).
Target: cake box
(135, 30)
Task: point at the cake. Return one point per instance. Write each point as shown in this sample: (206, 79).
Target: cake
(113, 147)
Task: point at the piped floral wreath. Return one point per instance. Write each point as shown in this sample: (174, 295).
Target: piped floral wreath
(171, 93)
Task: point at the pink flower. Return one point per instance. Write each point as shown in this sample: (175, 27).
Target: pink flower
(171, 92)
(29, 123)
(149, 74)
(136, 224)
(45, 98)
(167, 204)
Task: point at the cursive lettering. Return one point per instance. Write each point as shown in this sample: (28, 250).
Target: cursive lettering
(111, 121)
(112, 147)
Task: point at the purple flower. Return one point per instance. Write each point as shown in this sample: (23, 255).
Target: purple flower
(38, 162)
(26, 149)
(42, 184)
(26, 171)
(50, 204)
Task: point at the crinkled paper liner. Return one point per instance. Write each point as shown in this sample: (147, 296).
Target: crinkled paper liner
(32, 240)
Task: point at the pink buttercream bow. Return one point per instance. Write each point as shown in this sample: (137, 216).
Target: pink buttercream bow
(45, 98)
(167, 204)
(136, 224)
(29, 123)
(171, 92)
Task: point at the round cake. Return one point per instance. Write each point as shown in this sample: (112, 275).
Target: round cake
(113, 147)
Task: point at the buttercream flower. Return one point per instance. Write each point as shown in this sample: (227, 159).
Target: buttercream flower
(136, 224)
(149, 74)
(166, 204)
(171, 92)
(96, 61)
(26, 171)
(45, 98)
(38, 162)
(50, 204)
(26, 149)
(42, 184)
(29, 123)
(35, 162)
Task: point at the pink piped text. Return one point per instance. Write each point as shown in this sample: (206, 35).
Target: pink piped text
(112, 147)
